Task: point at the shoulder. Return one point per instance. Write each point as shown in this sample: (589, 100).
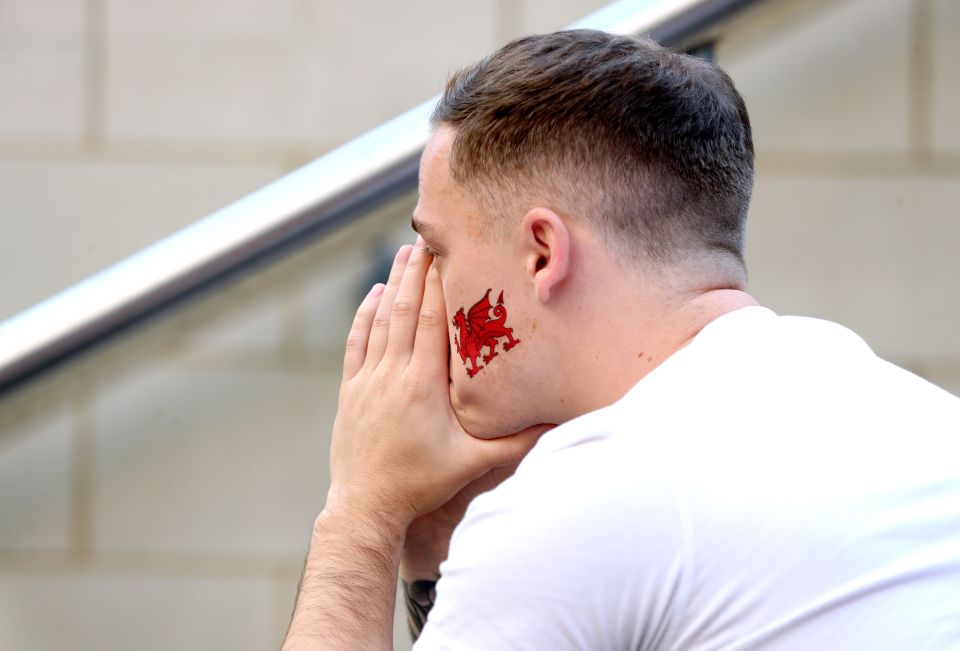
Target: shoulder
(755, 358)
(593, 492)
(563, 551)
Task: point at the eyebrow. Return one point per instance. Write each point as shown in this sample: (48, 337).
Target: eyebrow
(428, 231)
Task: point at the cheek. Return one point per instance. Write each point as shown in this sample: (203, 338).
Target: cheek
(482, 335)
(451, 310)
(485, 355)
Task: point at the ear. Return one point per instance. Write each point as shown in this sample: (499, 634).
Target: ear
(546, 250)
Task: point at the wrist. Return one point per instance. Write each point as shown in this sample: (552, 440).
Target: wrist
(355, 518)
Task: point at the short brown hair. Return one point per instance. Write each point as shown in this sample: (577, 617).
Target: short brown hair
(650, 147)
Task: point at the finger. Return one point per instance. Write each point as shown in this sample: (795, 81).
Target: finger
(360, 332)
(406, 306)
(432, 342)
(381, 320)
(498, 452)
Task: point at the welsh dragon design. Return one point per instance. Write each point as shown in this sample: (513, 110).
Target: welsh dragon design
(477, 330)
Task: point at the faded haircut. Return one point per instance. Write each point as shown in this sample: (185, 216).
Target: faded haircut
(649, 148)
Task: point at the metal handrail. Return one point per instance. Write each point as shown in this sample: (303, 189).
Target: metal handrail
(332, 190)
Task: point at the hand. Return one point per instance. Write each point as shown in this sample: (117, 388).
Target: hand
(398, 451)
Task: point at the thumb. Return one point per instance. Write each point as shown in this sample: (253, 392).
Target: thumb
(510, 449)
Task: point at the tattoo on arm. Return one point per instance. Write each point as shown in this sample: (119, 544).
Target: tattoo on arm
(419, 596)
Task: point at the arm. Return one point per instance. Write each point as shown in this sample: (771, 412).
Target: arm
(419, 597)
(346, 598)
(397, 453)
(586, 549)
(427, 544)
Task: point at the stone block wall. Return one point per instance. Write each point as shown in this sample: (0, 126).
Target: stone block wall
(159, 493)
(855, 215)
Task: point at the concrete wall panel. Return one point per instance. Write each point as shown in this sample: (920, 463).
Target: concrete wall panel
(107, 611)
(42, 70)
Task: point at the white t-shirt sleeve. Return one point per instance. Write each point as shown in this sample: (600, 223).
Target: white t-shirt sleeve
(564, 556)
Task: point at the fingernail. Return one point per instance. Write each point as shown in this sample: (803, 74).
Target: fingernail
(376, 290)
(420, 244)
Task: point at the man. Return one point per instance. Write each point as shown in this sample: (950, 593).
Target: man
(719, 477)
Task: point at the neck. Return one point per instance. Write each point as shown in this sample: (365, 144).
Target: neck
(613, 358)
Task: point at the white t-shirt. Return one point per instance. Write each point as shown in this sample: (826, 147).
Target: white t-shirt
(772, 485)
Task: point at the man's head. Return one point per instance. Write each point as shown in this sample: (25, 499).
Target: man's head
(559, 166)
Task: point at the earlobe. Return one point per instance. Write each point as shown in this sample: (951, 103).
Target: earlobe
(546, 243)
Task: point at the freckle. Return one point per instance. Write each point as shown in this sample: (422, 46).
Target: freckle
(650, 359)
(640, 354)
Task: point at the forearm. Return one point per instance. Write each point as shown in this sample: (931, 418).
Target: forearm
(427, 545)
(419, 597)
(396, 450)
(347, 595)
(419, 573)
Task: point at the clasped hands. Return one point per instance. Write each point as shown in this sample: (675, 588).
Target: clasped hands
(398, 451)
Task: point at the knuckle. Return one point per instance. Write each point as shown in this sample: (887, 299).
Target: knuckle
(381, 320)
(384, 382)
(429, 318)
(402, 307)
(414, 386)
(355, 341)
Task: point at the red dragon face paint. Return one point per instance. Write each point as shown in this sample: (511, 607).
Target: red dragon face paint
(477, 329)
